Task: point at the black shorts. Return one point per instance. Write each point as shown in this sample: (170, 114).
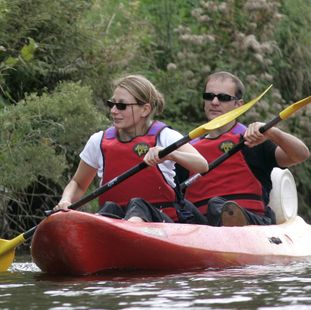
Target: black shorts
(137, 207)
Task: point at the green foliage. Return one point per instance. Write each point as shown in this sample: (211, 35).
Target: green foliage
(40, 140)
(41, 135)
(224, 35)
(117, 32)
(42, 43)
(164, 16)
(293, 35)
(302, 178)
(162, 45)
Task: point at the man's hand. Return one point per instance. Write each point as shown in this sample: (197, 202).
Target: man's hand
(253, 136)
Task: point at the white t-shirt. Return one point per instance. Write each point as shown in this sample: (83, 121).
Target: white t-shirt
(91, 154)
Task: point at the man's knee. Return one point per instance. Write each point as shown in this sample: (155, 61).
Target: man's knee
(215, 206)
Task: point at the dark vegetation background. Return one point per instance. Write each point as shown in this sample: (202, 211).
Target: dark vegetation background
(57, 59)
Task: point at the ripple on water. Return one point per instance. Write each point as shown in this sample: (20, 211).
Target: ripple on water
(253, 287)
(24, 267)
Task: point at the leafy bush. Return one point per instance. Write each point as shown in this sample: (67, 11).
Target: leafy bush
(40, 140)
(42, 43)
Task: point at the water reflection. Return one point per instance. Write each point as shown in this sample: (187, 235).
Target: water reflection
(254, 287)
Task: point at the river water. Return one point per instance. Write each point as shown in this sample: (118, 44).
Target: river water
(24, 286)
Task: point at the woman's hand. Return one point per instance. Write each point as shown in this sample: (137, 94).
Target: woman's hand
(152, 156)
(63, 204)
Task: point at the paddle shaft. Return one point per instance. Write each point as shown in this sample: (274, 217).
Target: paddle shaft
(228, 154)
(7, 246)
(27, 234)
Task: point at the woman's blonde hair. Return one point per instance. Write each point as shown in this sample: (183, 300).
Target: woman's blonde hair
(143, 91)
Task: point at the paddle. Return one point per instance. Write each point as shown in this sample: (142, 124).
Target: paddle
(7, 247)
(284, 114)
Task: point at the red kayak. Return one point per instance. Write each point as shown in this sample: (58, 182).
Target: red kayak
(78, 243)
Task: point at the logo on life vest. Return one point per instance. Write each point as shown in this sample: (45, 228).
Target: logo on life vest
(226, 146)
(141, 149)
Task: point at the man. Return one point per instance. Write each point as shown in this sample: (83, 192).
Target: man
(236, 193)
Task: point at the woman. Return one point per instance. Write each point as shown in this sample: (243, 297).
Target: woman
(134, 137)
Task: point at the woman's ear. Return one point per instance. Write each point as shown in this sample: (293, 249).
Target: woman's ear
(146, 109)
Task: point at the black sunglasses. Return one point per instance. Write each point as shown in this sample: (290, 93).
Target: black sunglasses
(120, 105)
(221, 97)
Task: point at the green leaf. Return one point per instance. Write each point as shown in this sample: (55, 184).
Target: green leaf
(27, 52)
(11, 61)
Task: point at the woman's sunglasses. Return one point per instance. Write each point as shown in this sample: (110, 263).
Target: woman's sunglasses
(120, 105)
(221, 97)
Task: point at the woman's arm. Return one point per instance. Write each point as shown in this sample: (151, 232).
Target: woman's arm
(78, 185)
(186, 156)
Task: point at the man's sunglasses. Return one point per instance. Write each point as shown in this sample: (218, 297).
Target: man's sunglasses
(221, 97)
(120, 105)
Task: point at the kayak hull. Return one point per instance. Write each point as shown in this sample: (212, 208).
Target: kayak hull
(77, 243)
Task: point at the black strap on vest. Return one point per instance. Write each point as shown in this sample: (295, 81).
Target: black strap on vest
(186, 211)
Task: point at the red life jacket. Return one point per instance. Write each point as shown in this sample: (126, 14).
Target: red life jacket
(149, 183)
(233, 179)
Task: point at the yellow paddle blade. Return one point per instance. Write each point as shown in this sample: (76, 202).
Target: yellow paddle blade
(6, 258)
(294, 107)
(10, 245)
(225, 118)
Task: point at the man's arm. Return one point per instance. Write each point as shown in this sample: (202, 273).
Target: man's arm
(290, 150)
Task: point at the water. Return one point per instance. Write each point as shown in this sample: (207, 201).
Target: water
(252, 287)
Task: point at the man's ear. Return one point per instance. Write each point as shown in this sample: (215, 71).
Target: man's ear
(146, 110)
(239, 102)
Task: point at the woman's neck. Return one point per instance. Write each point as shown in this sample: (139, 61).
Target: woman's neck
(135, 131)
